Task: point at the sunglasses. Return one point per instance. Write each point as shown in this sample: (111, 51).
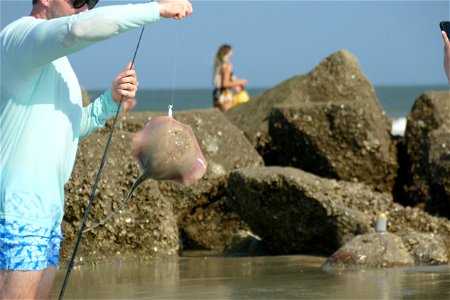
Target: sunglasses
(80, 3)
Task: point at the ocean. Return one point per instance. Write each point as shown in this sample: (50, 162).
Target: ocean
(396, 101)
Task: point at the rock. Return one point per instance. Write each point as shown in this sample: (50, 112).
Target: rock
(327, 122)
(145, 228)
(198, 211)
(212, 227)
(245, 244)
(373, 250)
(427, 142)
(295, 212)
(340, 141)
(404, 220)
(426, 248)
(202, 211)
(329, 131)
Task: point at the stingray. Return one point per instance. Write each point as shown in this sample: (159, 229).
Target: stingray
(166, 150)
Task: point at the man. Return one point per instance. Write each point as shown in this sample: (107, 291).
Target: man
(446, 55)
(42, 120)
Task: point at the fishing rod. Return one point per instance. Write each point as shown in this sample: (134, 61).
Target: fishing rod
(97, 179)
(143, 176)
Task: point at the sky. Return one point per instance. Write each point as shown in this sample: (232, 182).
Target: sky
(395, 42)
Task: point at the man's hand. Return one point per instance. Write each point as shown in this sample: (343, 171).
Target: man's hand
(126, 85)
(177, 9)
(446, 55)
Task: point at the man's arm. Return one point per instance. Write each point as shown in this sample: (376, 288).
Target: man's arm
(47, 40)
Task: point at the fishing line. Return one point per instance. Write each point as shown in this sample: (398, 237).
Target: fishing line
(97, 179)
(174, 66)
(141, 178)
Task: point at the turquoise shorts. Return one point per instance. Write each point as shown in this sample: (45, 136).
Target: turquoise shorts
(28, 247)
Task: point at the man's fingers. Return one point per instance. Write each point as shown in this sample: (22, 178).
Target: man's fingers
(129, 66)
(127, 74)
(188, 8)
(175, 9)
(127, 94)
(127, 87)
(128, 79)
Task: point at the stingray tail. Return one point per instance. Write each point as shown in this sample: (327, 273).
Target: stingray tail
(136, 183)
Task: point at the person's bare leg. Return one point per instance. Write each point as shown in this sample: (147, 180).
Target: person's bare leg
(3, 275)
(46, 284)
(20, 284)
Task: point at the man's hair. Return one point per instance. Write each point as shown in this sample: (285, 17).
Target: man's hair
(34, 2)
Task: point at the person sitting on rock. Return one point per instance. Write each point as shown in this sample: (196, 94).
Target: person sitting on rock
(446, 55)
(223, 79)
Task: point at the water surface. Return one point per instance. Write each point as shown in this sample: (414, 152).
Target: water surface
(204, 276)
(396, 101)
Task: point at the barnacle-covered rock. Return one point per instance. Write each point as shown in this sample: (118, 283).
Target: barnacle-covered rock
(293, 211)
(373, 250)
(427, 140)
(327, 122)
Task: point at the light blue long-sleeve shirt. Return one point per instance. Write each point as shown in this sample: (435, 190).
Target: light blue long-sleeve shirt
(41, 115)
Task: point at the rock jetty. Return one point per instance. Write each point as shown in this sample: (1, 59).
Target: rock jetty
(303, 168)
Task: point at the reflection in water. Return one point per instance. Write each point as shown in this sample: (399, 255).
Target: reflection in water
(198, 276)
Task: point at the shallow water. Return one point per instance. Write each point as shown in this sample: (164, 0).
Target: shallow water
(203, 276)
